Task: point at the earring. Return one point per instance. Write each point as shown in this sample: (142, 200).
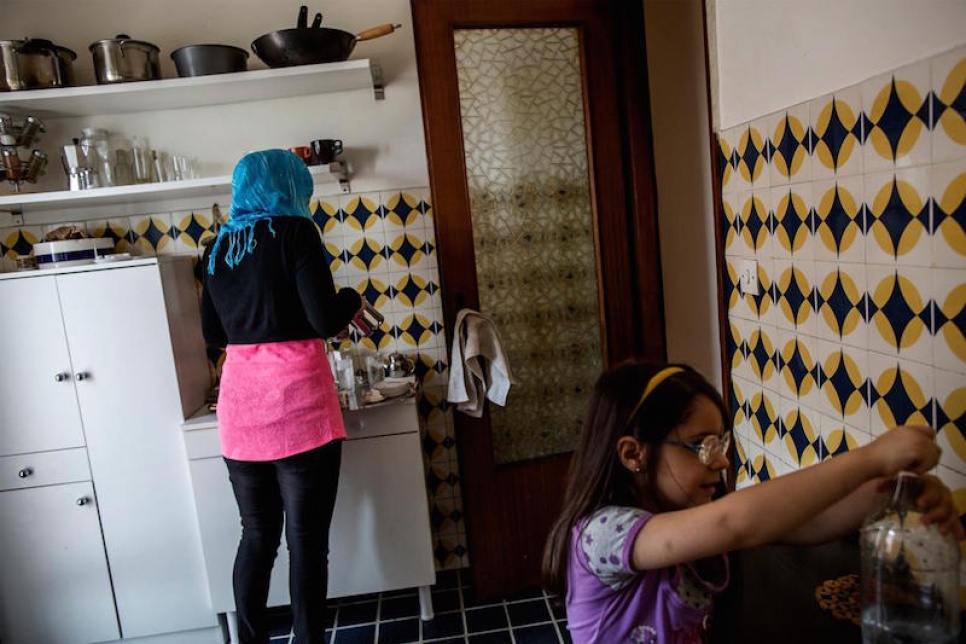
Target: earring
(638, 469)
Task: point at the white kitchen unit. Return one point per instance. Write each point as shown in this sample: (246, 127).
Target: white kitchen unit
(380, 537)
(99, 538)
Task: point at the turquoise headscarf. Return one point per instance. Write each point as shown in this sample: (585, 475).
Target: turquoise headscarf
(265, 184)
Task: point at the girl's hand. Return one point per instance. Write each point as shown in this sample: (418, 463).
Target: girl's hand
(907, 447)
(936, 504)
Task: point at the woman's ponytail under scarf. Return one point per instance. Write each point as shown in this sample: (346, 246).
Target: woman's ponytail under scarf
(264, 184)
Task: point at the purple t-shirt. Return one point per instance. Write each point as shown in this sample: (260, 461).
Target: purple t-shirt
(609, 602)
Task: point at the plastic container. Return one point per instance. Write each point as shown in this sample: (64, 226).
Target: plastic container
(910, 574)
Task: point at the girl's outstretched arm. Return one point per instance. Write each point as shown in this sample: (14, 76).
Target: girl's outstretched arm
(847, 515)
(768, 511)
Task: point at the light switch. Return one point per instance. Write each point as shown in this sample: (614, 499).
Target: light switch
(748, 276)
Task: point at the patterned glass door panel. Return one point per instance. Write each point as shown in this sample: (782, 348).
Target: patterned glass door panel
(525, 144)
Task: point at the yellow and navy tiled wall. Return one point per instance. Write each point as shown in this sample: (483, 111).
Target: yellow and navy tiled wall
(853, 205)
(383, 245)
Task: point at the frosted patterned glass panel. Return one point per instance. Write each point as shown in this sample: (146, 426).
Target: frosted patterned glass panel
(521, 103)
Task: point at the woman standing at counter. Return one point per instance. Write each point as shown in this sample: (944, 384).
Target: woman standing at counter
(269, 298)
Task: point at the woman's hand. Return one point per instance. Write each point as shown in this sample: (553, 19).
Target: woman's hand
(907, 447)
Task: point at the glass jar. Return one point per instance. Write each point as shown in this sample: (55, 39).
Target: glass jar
(97, 147)
(910, 574)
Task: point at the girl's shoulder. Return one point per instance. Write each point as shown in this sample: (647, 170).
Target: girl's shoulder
(603, 541)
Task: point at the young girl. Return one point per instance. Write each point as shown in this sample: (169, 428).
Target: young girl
(638, 550)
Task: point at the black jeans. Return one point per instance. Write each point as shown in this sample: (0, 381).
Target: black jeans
(301, 489)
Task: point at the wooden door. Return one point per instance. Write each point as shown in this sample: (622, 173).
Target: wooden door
(511, 502)
(38, 407)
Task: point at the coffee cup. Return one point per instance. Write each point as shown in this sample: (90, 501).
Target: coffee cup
(305, 153)
(326, 150)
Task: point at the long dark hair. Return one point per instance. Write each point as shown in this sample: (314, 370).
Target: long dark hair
(597, 478)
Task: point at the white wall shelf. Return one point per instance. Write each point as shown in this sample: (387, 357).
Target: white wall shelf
(197, 91)
(329, 179)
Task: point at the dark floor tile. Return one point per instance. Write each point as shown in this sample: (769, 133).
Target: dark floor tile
(402, 631)
(281, 639)
(470, 599)
(399, 607)
(350, 614)
(448, 640)
(496, 637)
(487, 618)
(564, 633)
(446, 600)
(541, 634)
(356, 635)
(279, 621)
(326, 638)
(527, 594)
(447, 579)
(399, 593)
(443, 626)
(529, 612)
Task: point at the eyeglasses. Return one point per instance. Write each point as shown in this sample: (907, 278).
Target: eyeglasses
(708, 449)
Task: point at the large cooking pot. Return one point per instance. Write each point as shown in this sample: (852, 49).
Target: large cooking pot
(202, 60)
(310, 46)
(123, 60)
(35, 64)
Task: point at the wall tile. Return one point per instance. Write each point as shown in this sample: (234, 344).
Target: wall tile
(838, 437)
(839, 216)
(951, 418)
(949, 319)
(897, 119)
(949, 214)
(949, 116)
(791, 209)
(736, 180)
(790, 161)
(900, 312)
(901, 393)
(841, 298)
(898, 217)
(731, 224)
(836, 134)
(844, 383)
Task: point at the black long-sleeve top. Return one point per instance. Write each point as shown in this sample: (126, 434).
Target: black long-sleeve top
(282, 291)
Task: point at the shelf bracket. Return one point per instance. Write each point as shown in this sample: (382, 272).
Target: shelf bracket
(9, 218)
(378, 85)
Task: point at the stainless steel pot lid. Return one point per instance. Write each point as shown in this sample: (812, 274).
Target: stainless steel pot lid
(121, 40)
(31, 45)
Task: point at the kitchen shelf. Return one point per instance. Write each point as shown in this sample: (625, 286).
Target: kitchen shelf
(196, 91)
(333, 175)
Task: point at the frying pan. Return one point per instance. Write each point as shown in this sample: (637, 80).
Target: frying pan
(306, 46)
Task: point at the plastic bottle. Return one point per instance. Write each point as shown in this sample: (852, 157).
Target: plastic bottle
(910, 574)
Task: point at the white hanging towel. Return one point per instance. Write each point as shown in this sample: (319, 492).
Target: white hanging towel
(478, 366)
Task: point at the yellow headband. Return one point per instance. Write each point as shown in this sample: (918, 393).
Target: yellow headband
(653, 384)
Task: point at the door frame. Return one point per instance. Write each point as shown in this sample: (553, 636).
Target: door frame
(625, 220)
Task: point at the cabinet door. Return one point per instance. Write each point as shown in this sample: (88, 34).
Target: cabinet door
(380, 537)
(54, 584)
(118, 335)
(220, 533)
(38, 408)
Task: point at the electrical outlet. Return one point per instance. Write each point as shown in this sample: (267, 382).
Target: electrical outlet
(748, 276)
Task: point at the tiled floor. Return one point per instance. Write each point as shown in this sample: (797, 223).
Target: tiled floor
(393, 618)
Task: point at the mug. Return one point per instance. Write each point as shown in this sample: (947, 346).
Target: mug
(304, 152)
(326, 150)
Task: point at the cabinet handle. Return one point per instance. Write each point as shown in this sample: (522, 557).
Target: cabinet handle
(83, 501)
(80, 375)
(60, 377)
(25, 472)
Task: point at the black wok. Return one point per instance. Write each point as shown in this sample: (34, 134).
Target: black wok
(308, 46)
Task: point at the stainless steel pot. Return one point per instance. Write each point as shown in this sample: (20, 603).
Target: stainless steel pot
(123, 60)
(35, 64)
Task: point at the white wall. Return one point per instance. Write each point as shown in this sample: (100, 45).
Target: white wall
(383, 139)
(682, 156)
(774, 53)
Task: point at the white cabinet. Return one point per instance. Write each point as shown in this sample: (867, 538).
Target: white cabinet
(380, 537)
(54, 585)
(128, 339)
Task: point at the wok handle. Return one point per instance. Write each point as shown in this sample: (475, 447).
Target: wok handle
(377, 32)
